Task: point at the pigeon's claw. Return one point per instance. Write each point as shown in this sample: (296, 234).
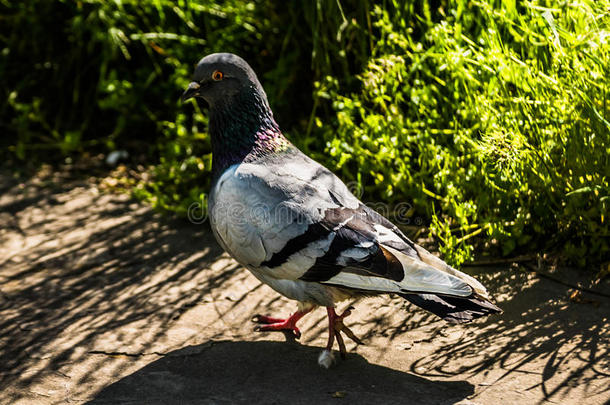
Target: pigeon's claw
(268, 324)
(266, 319)
(280, 326)
(340, 326)
(336, 326)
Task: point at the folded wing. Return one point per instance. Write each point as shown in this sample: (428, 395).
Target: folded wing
(297, 221)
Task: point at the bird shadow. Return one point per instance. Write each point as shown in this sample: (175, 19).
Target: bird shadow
(272, 373)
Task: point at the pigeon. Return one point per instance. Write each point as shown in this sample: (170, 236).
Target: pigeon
(297, 227)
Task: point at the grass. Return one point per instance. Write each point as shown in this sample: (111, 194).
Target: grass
(488, 119)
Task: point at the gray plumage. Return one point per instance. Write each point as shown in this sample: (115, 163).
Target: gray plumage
(295, 225)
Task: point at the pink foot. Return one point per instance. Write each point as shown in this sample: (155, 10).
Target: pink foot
(274, 324)
(336, 326)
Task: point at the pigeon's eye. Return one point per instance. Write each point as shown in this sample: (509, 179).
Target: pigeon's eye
(217, 75)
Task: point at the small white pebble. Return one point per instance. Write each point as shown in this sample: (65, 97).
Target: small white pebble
(326, 359)
(113, 157)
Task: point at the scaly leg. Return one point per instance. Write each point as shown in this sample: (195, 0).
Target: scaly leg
(335, 327)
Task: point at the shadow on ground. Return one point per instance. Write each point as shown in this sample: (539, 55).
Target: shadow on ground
(278, 373)
(563, 346)
(76, 265)
(103, 301)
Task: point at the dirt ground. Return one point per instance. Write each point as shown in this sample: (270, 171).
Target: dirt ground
(104, 302)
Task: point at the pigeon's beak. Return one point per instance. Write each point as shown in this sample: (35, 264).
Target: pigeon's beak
(191, 91)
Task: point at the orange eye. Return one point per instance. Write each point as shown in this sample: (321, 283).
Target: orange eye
(217, 75)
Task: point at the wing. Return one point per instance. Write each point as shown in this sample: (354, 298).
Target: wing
(293, 219)
(364, 251)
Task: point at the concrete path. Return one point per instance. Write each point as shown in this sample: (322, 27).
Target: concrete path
(104, 302)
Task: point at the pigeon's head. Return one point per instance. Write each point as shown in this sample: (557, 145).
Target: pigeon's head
(219, 77)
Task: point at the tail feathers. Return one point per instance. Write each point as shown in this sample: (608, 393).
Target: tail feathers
(453, 309)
